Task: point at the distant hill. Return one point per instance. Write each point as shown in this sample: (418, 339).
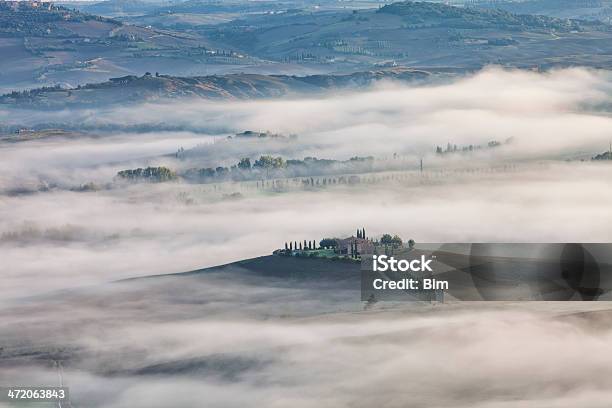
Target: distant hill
(45, 44)
(20, 19)
(436, 14)
(119, 7)
(207, 6)
(419, 34)
(133, 89)
(579, 9)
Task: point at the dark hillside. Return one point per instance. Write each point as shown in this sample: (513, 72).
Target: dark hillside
(133, 89)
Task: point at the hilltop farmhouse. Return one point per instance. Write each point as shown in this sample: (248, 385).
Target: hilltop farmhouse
(355, 245)
(350, 248)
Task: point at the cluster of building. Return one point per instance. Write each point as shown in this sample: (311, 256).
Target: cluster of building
(17, 5)
(353, 246)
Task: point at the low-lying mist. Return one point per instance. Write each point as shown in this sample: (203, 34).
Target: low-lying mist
(82, 238)
(166, 344)
(229, 337)
(559, 114)
(85, 238)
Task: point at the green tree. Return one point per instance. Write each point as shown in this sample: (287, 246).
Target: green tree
(394, 241)
(328, 243)
(244, 163)
(270, 162)
(386, 239)
(150, 174)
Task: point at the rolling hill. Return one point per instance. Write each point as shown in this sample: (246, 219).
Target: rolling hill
(581, 9)
(44, 44)
(119, 8)
(418, 34)
(146, 88)
(53, 45)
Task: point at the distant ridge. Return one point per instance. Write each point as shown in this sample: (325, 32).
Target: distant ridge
(419, 12)
(545, 7)
(136, 89)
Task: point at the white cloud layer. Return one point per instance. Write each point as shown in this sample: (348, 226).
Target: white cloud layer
(252, 341)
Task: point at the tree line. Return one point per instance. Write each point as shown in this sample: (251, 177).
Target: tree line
(149, 174)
